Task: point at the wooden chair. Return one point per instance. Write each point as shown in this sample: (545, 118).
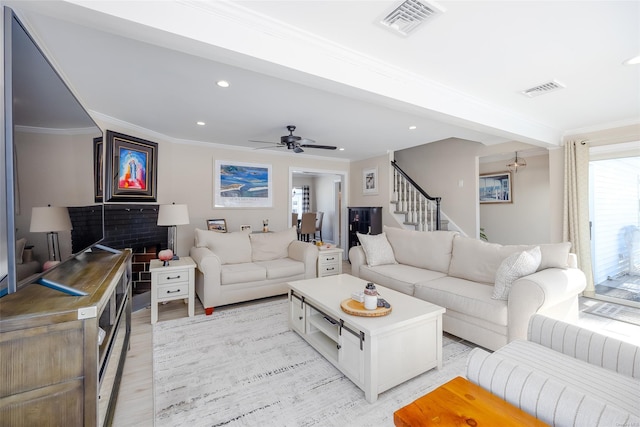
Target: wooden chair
(307, 227)
(294, 219)
(319, 225)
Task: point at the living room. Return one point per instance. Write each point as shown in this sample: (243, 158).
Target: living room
(446, 160)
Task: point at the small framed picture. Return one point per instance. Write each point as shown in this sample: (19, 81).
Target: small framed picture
(495, 188)
(219, 225)
(370, 181)
(245, 228)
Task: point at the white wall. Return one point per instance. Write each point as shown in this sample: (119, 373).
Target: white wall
(356, 196)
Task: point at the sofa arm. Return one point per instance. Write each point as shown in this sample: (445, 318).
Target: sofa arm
(553, 291)
(208, 273)
(306, 253)
(584, 344)
(357, 258)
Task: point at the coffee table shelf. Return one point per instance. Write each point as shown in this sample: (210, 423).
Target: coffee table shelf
(375, 353)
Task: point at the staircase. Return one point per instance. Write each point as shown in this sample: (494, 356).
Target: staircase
(413, 207)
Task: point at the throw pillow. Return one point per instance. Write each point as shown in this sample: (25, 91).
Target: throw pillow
(514, 267)
(231, 248)
(20, 244)
(377, 249)
(269, 246)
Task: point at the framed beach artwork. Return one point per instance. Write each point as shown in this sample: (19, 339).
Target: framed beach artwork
(370, 181)
(495, 188)
(242, 185)
(219, 225)
(131, 169)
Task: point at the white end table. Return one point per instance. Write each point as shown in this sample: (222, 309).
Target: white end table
(329, 262)
(175, 281)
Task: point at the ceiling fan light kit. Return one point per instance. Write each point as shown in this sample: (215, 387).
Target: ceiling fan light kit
(294, 142)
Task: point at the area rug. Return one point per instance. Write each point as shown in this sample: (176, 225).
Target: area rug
(616, 312)
(244, 367)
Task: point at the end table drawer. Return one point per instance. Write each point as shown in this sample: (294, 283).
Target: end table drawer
(173, 276)
(174, 290)
(328, 269)
(329, 259)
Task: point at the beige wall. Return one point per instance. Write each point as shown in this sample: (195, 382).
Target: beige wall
(447, 169)
(185, 175)
(526, 220)
(359, 199)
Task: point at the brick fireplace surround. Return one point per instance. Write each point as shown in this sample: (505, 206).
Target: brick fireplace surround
(134, 226)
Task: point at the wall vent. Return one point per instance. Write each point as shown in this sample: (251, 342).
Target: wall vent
(543, 88)
(407, 17)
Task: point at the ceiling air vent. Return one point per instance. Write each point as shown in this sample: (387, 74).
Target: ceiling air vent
(407, 17)
(543, 88)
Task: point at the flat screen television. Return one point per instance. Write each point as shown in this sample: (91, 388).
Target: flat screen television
(52, 157)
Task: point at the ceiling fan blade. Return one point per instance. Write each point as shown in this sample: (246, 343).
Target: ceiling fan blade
(273, 146)
(297, 149)
(304, 140)
(266, 142)
(323, 147)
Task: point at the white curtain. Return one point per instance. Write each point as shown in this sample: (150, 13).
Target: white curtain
(305, 198)
(576, 228)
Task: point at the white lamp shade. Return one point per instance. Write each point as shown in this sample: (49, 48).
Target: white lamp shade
(47, 219)
(173, 215)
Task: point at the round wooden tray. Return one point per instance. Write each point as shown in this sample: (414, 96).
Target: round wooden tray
(356, 308)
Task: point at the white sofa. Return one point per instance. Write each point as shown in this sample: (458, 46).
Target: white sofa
(459, 273)
(564, 375)
(236, 267)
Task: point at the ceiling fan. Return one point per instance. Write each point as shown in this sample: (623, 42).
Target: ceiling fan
(295, 143)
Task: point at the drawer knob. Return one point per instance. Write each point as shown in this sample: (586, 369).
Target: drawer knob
(173, 292)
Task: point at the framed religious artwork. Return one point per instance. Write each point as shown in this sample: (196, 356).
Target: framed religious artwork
(131, 169)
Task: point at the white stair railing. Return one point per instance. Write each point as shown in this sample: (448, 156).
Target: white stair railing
(420, 210)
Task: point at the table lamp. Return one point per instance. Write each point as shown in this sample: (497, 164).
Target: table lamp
(50, 220)
(173, 215)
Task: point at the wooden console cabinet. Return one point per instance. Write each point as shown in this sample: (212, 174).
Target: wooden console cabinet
(57, 368)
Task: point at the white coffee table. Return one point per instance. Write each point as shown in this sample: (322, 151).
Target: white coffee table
(376, 353)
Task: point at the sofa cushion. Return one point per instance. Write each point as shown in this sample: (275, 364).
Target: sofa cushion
(554, 255)
(282, 267)
(464, 296)
(606, 386)
(268, 246)
(478, 261)
(430, 250)
(399, 277)
(241, 273)
(377, 249)
(231, 248)
(561, 398)
(514, 267)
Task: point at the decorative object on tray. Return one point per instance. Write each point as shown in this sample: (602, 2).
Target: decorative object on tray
(165, 256)
(356, 308)
(370, 297)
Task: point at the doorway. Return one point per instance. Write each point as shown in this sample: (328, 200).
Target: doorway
(614, 186)
(327, 194)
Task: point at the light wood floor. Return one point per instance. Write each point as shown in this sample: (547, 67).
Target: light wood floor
(135, 401)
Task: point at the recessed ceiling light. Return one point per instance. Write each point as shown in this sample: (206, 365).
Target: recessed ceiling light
(632, 61)
(413, 127)
(200, 123)
(341, 149)
(222, 83)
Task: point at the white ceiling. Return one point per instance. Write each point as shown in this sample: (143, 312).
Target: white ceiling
(330, 69)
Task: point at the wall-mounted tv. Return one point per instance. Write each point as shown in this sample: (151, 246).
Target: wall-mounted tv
(49, 158)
